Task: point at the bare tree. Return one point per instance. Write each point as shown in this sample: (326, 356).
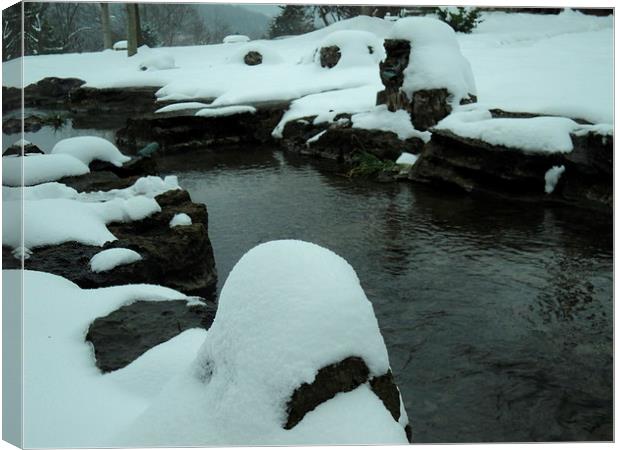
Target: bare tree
(105, 26)
(132, 29)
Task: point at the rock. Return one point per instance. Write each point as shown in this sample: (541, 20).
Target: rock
(428, 107)
(51, 91)
(101, 180)
(137, 166)
(123, 335)
(98, 103)
(330, 56)
(14, 125)
(29, 149)
(477, 166)
(253, 58)
(179, 132)
(343, 376)
(391, 71)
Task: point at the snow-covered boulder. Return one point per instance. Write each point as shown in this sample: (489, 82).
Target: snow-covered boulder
(255, 53)
(235, 39)
(120, 45)
(290, 314)
(349, 48)
(113, 257)
(90, 148)
(157, 61)
(40, 168)
(179, 220)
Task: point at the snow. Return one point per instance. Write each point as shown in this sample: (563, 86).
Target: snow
(90, 148)
(548, 64)
(40, 168)
(157, 61)
(354, 48)
(407, 159)
(226, 111)
(398, 122)
(181, 106)
(552, 176)
(120, 45)
(307, 303)
(21, 253)
(435, 60)
(58, 220)
(235, 39)
(270, 56)
(109, 259)
(536, 135)
(67, 401)
(316, 137)
(180, 219)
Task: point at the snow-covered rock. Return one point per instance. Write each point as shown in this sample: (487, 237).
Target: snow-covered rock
(225, 111)
(120, 45)
(351, 48)
(267, 53)
(180, 219)
(552, 176)
(113, 257)
(288, 309)
(90, 148)
(235, 39)
(39, 168)
(157, 61)
(397, 122)
(407, 159)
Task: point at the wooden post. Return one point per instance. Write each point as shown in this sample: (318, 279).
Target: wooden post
(132, 29)
(105, 26)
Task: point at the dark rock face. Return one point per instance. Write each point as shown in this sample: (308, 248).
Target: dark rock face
(98, 181)
(137, 166)
(392, 75)
(14, 125)
(340, 142)
(177, 133)
(477, 166)
(123, 335)
(95, 103)
(343, 376)
(253, 58)
(329, 56)
(428, 107)
(48, 92)
(29, 149)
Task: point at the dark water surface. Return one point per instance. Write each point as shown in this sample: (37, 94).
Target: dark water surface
(497, 315)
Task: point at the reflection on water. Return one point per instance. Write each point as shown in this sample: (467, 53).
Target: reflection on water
(497, 315)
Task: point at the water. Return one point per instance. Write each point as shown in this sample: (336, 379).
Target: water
(497, 315)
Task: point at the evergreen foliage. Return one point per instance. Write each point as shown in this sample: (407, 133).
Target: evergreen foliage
(461, 19)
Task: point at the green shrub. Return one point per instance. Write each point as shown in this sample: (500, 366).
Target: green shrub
(367, 164)
(462, 19)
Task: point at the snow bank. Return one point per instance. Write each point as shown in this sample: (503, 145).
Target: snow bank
(54, 221)
(552, 176)
(357, 48)
(67, 401)
(407, 159)
(180, 219)
(40, 168)
(109, 259)
(235, 39)
(537, 134)
(157, 61)
(225, 111)
(90, 148)
(181, 106)
(397, 122)
(435, 60)
(288, 308)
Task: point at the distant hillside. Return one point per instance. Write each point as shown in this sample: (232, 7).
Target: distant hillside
(235, 19)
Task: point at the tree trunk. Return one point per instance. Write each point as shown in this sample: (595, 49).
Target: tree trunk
(132, 29)
(105, 26)
(140, 38)
(367, 10)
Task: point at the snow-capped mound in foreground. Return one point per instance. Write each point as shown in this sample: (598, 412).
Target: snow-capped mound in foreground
(287, 310)
(435, 61)
(357, 48)
(40, 168)
(90, 148)
(113, 257)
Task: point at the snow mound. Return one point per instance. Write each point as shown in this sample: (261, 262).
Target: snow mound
(90, 148)
(226, 111)
(552, 176)
(54, 221)
(270, 55)
(287, 309)
(68, 402)
(157, 61)
(357, 48)
(109, 259)
(536, 135)
(40, 168)
(181, 106)
(180, 219)
(120, 45)
(397, 122)
(435, 60)
(235, 39)
(407, 159)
